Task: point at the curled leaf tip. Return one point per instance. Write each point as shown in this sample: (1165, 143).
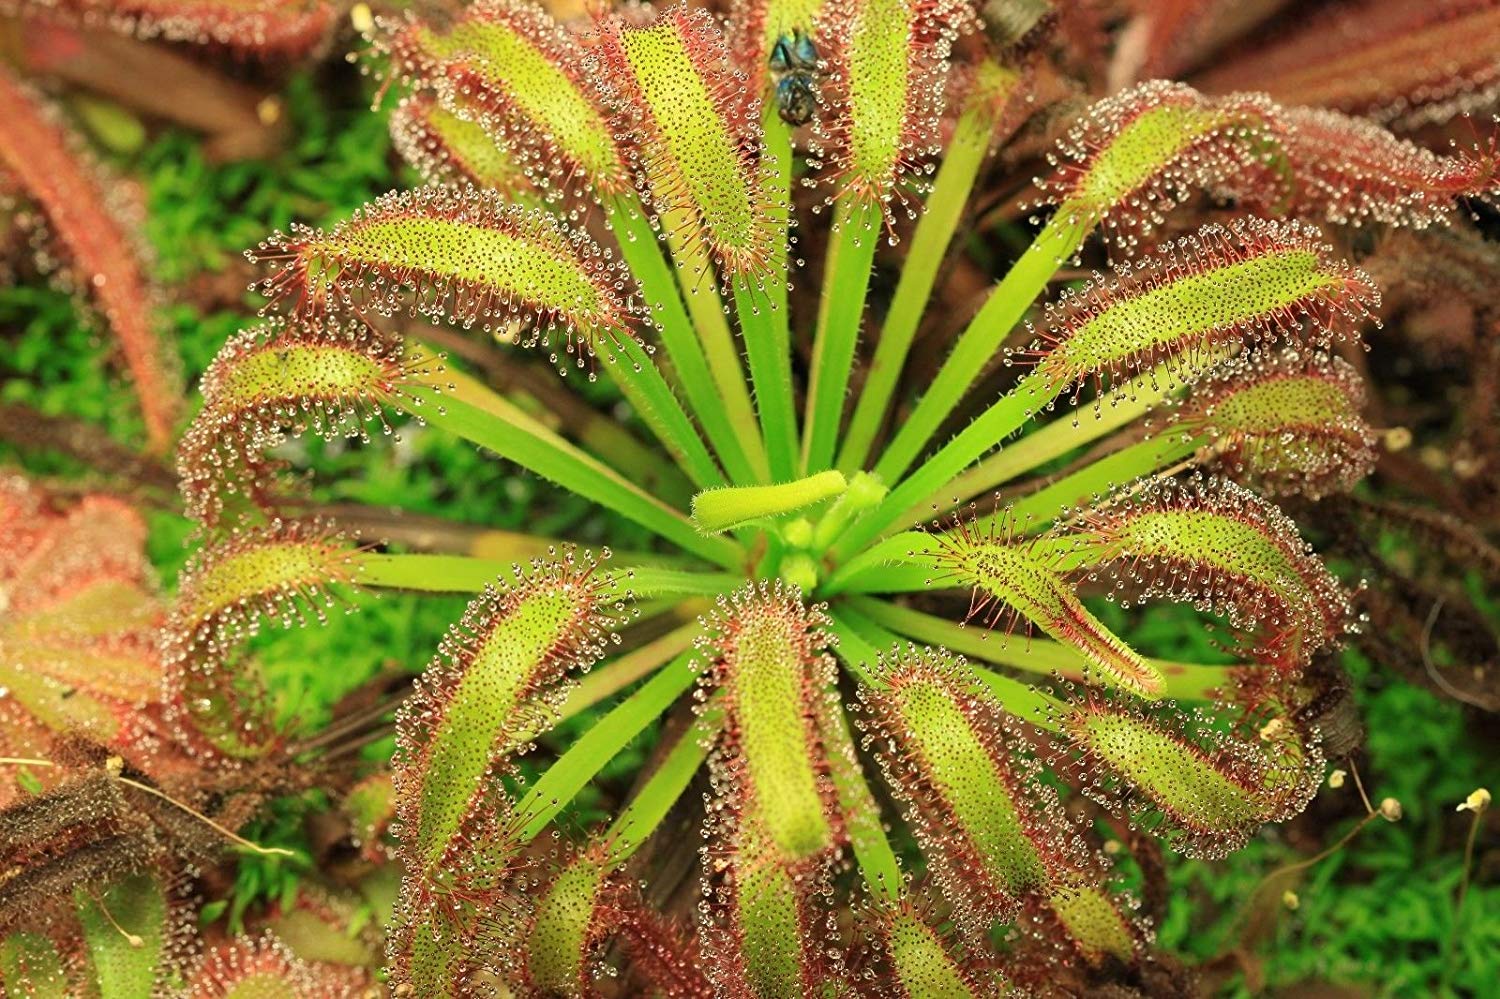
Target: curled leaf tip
(1139, 154)
(284, 574)
(1204, 791)
(510, 67)
(449, 148)
(460, 254)
(1218, 545)
(320, 374)
(1015, 581)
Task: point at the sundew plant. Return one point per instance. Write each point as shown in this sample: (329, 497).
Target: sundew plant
(905, 794)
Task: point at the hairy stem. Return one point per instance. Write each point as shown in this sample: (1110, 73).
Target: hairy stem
(600, 744)
(717, 510)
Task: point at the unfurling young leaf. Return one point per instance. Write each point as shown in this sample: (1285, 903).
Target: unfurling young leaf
(496, 684)
(1016, 580)
(994, 834)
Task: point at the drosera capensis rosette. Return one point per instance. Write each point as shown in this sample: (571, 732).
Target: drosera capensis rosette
(638, 225)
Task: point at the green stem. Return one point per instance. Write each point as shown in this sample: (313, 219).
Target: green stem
(614, 676)
(638, 245)
(699, 283)
(872, 850)
(639, 819)
(885, 567)
(600, 744)
(929, 244)
(1118, 407)
(934, 477)
(642, 384)
(1018, 698)
(1185, 681)
(977, 345)
(858, 651)
(765, 312)
(857, 228)
(465, 574)
(771, 372)
(1034, 513)
(478, 415)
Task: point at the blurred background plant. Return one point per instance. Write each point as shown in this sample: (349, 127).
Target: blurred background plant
(1375, 916)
